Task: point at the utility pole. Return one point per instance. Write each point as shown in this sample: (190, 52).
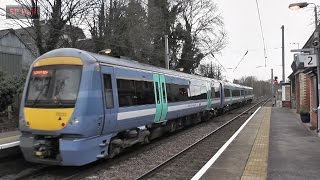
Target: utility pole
(317, 50)
(166, 51)
(283, 73)
(271, 88)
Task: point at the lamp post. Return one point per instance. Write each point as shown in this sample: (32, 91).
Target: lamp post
(296, 6)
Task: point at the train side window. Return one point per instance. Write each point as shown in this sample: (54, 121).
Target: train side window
(164, 92)
(169, 93)
(157, 93)
(126, 92)
(226, 92)
(131, 92)
(108, 91)
(203, 92)
(212, 93)
(193, 93)
(198, 92)
(176, 93)
(217, 93)
(235, 93)
(144, 92)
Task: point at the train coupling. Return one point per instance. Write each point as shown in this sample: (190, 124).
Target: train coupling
(46, 148)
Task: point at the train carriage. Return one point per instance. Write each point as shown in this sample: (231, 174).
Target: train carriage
(78, 107)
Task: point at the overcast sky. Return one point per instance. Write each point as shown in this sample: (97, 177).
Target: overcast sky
(243, 30)
(242, 25)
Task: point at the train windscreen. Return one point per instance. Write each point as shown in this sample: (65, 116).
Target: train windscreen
(53, 86)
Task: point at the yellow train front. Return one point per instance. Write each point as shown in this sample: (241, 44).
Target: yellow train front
(60, 125)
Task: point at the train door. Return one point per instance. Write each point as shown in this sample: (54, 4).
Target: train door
(209, 95)
(221, 100)
(160, 97)
(110, 102)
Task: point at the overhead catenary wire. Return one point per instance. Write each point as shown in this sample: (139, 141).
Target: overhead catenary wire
(241, 60)
(263, 41)
(218, 61)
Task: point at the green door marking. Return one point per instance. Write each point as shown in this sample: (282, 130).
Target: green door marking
(164, 98)
(160, 98)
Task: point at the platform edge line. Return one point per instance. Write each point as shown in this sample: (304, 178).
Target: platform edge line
(204, 169)
(9, 145)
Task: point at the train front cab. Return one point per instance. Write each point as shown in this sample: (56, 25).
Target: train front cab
(62, 110)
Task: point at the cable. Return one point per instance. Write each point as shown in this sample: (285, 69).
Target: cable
(261, 29)
(241, 60)
(218, 61)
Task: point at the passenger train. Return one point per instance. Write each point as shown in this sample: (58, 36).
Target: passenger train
(78, 107)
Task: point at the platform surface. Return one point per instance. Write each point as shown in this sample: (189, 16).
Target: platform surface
(273, 145)
(294, 150)
(9, 139)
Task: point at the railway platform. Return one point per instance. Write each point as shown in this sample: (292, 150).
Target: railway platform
(9, 139)
(275, 144)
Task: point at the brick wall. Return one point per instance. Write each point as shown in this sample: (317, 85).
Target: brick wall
(302, 91)
(297, 90)
(313, 101)
(307, 91)
(302, 80)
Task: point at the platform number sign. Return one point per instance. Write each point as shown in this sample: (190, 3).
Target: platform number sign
(308, 60)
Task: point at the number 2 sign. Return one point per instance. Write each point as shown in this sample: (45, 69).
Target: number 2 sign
(309, 60)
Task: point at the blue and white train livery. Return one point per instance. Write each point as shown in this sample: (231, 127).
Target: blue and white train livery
(78, 107)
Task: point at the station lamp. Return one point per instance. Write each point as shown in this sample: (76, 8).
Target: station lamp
(297, 6)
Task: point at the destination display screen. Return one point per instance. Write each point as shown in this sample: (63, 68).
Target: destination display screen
(42, 73)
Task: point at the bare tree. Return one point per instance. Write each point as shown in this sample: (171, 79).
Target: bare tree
(47, 30)
(207, 27)
(204, 33)
(210, 70)
(260, 87)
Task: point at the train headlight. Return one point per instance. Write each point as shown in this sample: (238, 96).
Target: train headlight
(74, 121)
(23, 121)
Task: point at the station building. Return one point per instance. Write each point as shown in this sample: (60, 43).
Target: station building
(15, 52)
(18, 48)
(303, 81)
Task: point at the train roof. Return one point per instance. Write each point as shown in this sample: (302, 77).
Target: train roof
(90, 58)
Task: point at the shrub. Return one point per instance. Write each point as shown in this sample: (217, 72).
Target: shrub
(10, 87)
(304, 110)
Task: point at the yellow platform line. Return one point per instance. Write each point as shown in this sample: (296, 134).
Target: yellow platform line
(256, 167)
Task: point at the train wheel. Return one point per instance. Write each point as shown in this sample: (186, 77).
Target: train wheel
(172, 126)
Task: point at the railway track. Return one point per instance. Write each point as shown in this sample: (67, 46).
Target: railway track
(186, 163)
(134, 162)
